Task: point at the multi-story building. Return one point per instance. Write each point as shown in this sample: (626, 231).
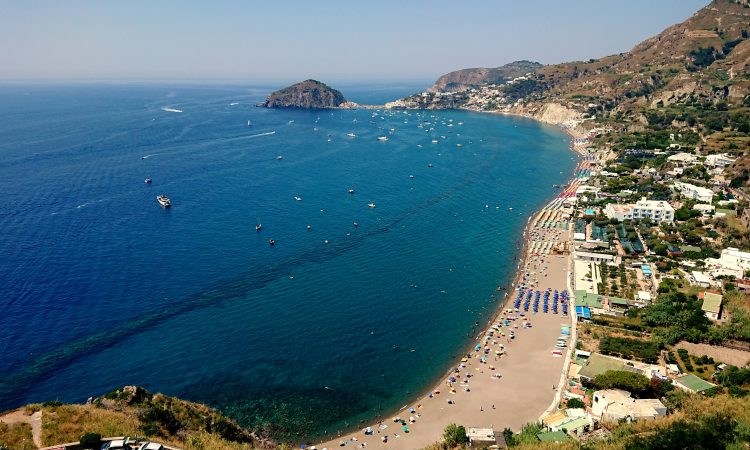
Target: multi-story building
(657, 211)
(720, 160)
(618, 211)
(694, 192)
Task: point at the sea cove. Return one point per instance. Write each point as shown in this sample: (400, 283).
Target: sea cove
(334, 324)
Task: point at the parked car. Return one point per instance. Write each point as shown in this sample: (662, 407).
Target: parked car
(117, 444)
(151, 446)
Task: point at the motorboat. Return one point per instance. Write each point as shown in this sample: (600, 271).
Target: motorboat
(430, 165)
(148, 180)
(351, 191)
(279, 158)
(351, 135)
(164, 200)
(371, 205)
(299, 199)
(271, 242)
(258, 227)
(382, 138)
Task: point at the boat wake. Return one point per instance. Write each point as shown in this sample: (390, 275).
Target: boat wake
(267, 133)
(174, 110)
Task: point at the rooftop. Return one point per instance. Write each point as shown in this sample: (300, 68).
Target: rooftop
(694, 383)
(711, 302)
(553, 436)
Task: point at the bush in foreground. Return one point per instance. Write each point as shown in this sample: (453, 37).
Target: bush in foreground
(455, 435)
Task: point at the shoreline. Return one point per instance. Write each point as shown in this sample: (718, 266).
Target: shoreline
(522, 256)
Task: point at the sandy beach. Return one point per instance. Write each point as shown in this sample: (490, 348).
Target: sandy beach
(510, 376)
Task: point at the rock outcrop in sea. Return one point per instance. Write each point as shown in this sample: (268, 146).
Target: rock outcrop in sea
(308, 94)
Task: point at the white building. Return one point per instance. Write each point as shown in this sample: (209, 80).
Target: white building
(704, 208)
(614, 405)
(618, 211)
(658, 211)
(694, 192)
(732, 262)
(595, 257)
(683, 158)
(720, 160)
(700, 279)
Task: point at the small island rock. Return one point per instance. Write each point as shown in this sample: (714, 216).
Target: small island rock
(308, 94)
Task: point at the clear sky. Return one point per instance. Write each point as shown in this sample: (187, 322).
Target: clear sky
(338, 40)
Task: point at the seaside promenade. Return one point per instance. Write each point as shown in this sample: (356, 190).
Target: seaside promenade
(511, 375)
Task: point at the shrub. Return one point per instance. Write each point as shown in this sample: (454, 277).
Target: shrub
(91, 440)
(454, 435)
(575, 403)
(632, 382)
(630, 348)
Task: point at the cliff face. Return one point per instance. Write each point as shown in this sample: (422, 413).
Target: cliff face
(482, 76)
(309, 94)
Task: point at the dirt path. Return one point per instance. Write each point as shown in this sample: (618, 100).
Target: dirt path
(724, 354)
(34, 420)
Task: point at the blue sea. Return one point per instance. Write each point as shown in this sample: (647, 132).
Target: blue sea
(100, 287)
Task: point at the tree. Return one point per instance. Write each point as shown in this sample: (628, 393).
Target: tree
(454, 435)
(91, 440)
(634, 383)
(575, 403)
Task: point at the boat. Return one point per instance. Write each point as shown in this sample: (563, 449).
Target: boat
(279, 158)
(249, 123)
(148, 180)
(371, 205)
(434, 141)
(351, 134)
(430, 165)
(411, 176)
(309, 227)
(299, 199)
(164, 200)
(382, 138)
(355, 224)
(271, 242)
(351, 191)
(258, 227)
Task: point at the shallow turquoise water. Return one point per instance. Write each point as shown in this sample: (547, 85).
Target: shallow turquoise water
(103, 288)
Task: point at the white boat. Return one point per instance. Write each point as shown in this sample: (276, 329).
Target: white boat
(351, 191)
(429, 165)
(249, 123)
(279, 157)
(382, 138)
(148, 180)
(434, 141)
(258, 227)
(164, 200)
(351, 134)
(371, 205)
(299, 199)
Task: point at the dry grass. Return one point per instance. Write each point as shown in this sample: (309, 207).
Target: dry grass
(16, 436)
(68, 423)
